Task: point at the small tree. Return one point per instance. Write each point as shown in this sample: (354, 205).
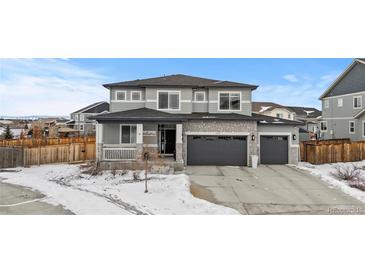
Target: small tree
(8, 134)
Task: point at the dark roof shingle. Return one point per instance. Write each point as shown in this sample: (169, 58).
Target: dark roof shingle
(179, 80)
(152, 115)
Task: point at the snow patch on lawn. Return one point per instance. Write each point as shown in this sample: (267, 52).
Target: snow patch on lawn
(108, 194)
(324, 173)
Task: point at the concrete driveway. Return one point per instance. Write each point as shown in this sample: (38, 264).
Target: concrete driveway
(270, 189)
(18, 200)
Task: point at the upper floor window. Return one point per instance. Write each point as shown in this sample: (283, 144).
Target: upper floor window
(121, 95)
(357, 101)
(136, 95)
(76, 117)
(229, 101)
(199, 96)
(289, 116)
(326, 103)
(352, 127)
(128, 134)
(169, 100)
(339, 102)
(323, 126)
(82, 117)
(279, 115)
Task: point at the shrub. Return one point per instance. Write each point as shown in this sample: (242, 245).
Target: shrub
(350, 173)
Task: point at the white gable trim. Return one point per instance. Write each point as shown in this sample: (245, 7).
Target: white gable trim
(342, 75)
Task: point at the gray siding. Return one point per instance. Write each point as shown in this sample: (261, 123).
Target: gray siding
(150, 100)
(338, 118)
(354, 81)
(293, 144)
(245, 96)
(340, 128)
(200, 107)
(111, 134)
(186, 97)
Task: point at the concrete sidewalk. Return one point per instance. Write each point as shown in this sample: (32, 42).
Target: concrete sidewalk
(275, 189)
(18, 200)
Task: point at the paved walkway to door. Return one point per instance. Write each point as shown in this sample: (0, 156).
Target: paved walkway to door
(269, 189)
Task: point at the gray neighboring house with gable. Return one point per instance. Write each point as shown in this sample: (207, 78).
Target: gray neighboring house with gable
(80, 119)
(192, 120)
(343, 110)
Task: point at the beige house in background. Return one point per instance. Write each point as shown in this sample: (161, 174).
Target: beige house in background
(273, 110)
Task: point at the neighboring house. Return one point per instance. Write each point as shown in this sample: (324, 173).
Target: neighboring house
(80, 119)
(273, 109)
(195, 121)
(343, 105)
(308, 116)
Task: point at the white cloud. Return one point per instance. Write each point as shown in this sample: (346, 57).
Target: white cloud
(291, 78)
(47, 87)
(303, 92)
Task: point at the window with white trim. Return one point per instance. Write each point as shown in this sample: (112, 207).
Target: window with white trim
(136, 95)
(76, 117)
(81, 127)
(94, 127)
(340, 102)
(121, 95)
(352, 127)
(326, 103)
(323, 126)
(128, 134)
(168, 100)
(199, 96)
(229, 101)
(279, 115)
(289, 116)
(357, 102)
(82, 117)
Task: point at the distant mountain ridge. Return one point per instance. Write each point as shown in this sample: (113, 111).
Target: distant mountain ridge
(34, 117)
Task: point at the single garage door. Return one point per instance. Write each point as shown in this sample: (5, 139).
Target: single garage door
(273, 150)
(217, 150)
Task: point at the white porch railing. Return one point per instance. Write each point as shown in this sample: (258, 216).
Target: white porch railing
(119, 153)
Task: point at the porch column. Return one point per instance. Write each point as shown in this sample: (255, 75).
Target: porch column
(99, 142)
(139, 142)
(179, 144)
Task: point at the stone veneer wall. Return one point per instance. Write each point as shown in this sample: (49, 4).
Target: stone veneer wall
(249, 127)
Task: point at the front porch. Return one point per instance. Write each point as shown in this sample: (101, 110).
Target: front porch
(119, 142)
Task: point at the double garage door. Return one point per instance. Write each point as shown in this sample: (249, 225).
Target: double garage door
(232, 150)
(217, 150)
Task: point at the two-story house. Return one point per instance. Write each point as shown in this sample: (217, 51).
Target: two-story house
(195, 121)
(80, 119)
(308, 116)
(273, 109)
(343, 105)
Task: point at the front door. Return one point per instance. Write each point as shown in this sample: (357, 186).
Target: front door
(167, 141)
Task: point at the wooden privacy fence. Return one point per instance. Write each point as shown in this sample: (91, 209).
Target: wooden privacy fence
(332, 151)
(11, 157)
(27, 156)
(45, 141)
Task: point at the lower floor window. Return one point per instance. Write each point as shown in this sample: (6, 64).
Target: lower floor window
(323, 125)
(351, 127)
(81, 127)
(128, 134)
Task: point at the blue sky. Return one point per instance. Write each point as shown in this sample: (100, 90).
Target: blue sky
(60, 86)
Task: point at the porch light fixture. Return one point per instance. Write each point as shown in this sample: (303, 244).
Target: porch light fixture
(294, 137)
(253, 137)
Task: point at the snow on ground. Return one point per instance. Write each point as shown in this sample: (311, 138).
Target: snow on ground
(108, 194)
(324, 172)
